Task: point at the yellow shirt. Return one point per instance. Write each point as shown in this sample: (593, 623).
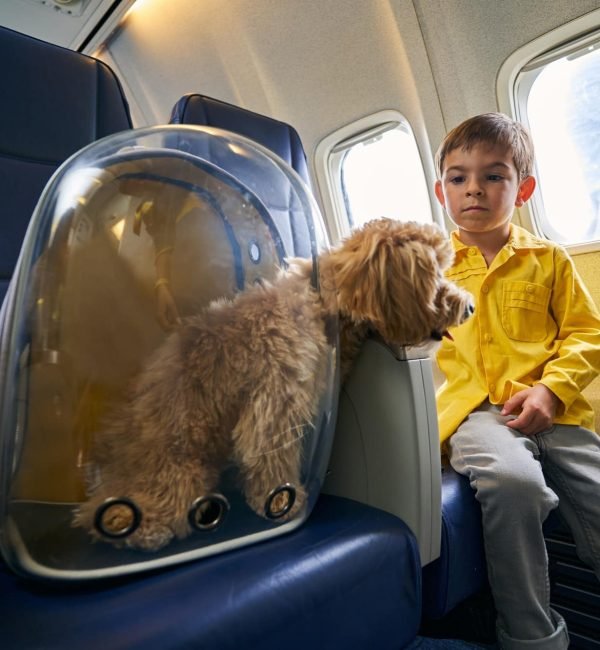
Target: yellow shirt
(534, 322)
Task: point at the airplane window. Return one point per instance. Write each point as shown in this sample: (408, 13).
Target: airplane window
(382, 175)
(562, 108)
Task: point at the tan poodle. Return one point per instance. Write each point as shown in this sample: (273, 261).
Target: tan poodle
(242, 380)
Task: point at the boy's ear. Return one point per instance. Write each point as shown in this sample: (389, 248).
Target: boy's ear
(439, 193)
(526, 188)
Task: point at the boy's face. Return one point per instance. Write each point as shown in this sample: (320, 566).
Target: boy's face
(480, 188)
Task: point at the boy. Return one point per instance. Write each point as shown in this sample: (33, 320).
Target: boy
(512, 417)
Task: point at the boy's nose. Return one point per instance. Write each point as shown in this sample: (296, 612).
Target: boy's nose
(474, 190)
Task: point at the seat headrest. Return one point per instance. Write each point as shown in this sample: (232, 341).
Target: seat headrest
(279, 137)
(55, 101)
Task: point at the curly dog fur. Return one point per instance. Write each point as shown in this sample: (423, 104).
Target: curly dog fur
(241, 380)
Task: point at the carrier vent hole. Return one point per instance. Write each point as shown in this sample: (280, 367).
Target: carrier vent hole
(117, 517)
(208, 512)
(280, 501)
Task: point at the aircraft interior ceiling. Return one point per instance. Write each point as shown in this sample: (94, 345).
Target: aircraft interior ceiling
(335, 61)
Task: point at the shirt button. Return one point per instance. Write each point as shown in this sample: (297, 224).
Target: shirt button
(485, 288)
(488, 338)
(472, 251)
(492, 388)
(529, 288)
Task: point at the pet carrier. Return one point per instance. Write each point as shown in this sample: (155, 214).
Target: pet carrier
(117, 385)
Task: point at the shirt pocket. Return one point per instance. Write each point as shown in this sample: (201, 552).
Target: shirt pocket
(525, 310)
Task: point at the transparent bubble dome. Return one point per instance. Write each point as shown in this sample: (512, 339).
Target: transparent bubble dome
(145, 417)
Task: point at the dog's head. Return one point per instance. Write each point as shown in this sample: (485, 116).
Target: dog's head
(390, 274)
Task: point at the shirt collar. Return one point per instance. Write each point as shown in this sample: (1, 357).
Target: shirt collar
(518, 239)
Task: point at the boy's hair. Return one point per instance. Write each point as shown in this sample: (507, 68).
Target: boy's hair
(495, 129)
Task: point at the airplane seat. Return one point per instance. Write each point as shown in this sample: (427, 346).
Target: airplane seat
(55, 102)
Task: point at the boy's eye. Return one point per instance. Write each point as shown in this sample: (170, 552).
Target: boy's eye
(494, 177)
(455, 180)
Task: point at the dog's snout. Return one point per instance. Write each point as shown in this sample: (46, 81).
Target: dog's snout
(469, 311)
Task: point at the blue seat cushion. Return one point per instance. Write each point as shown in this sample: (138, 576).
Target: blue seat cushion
(348, 578)
(460, 571)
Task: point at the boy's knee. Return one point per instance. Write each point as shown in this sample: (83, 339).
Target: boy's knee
(516, 492)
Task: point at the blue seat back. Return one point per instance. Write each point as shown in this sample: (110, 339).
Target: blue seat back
(54, 101)
(279, 137)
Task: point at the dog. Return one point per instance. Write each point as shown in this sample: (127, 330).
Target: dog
(241, 380)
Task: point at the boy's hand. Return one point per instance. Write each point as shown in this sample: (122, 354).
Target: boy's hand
(538, 407)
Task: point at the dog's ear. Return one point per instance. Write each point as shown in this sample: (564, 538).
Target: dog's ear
(432, 235)
(386, 274)
(439, 241)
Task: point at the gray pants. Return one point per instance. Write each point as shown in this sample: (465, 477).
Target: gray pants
(518, 480)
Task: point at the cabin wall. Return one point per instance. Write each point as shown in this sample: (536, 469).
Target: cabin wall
(332, 62)
(327, 66)
(468, 41)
